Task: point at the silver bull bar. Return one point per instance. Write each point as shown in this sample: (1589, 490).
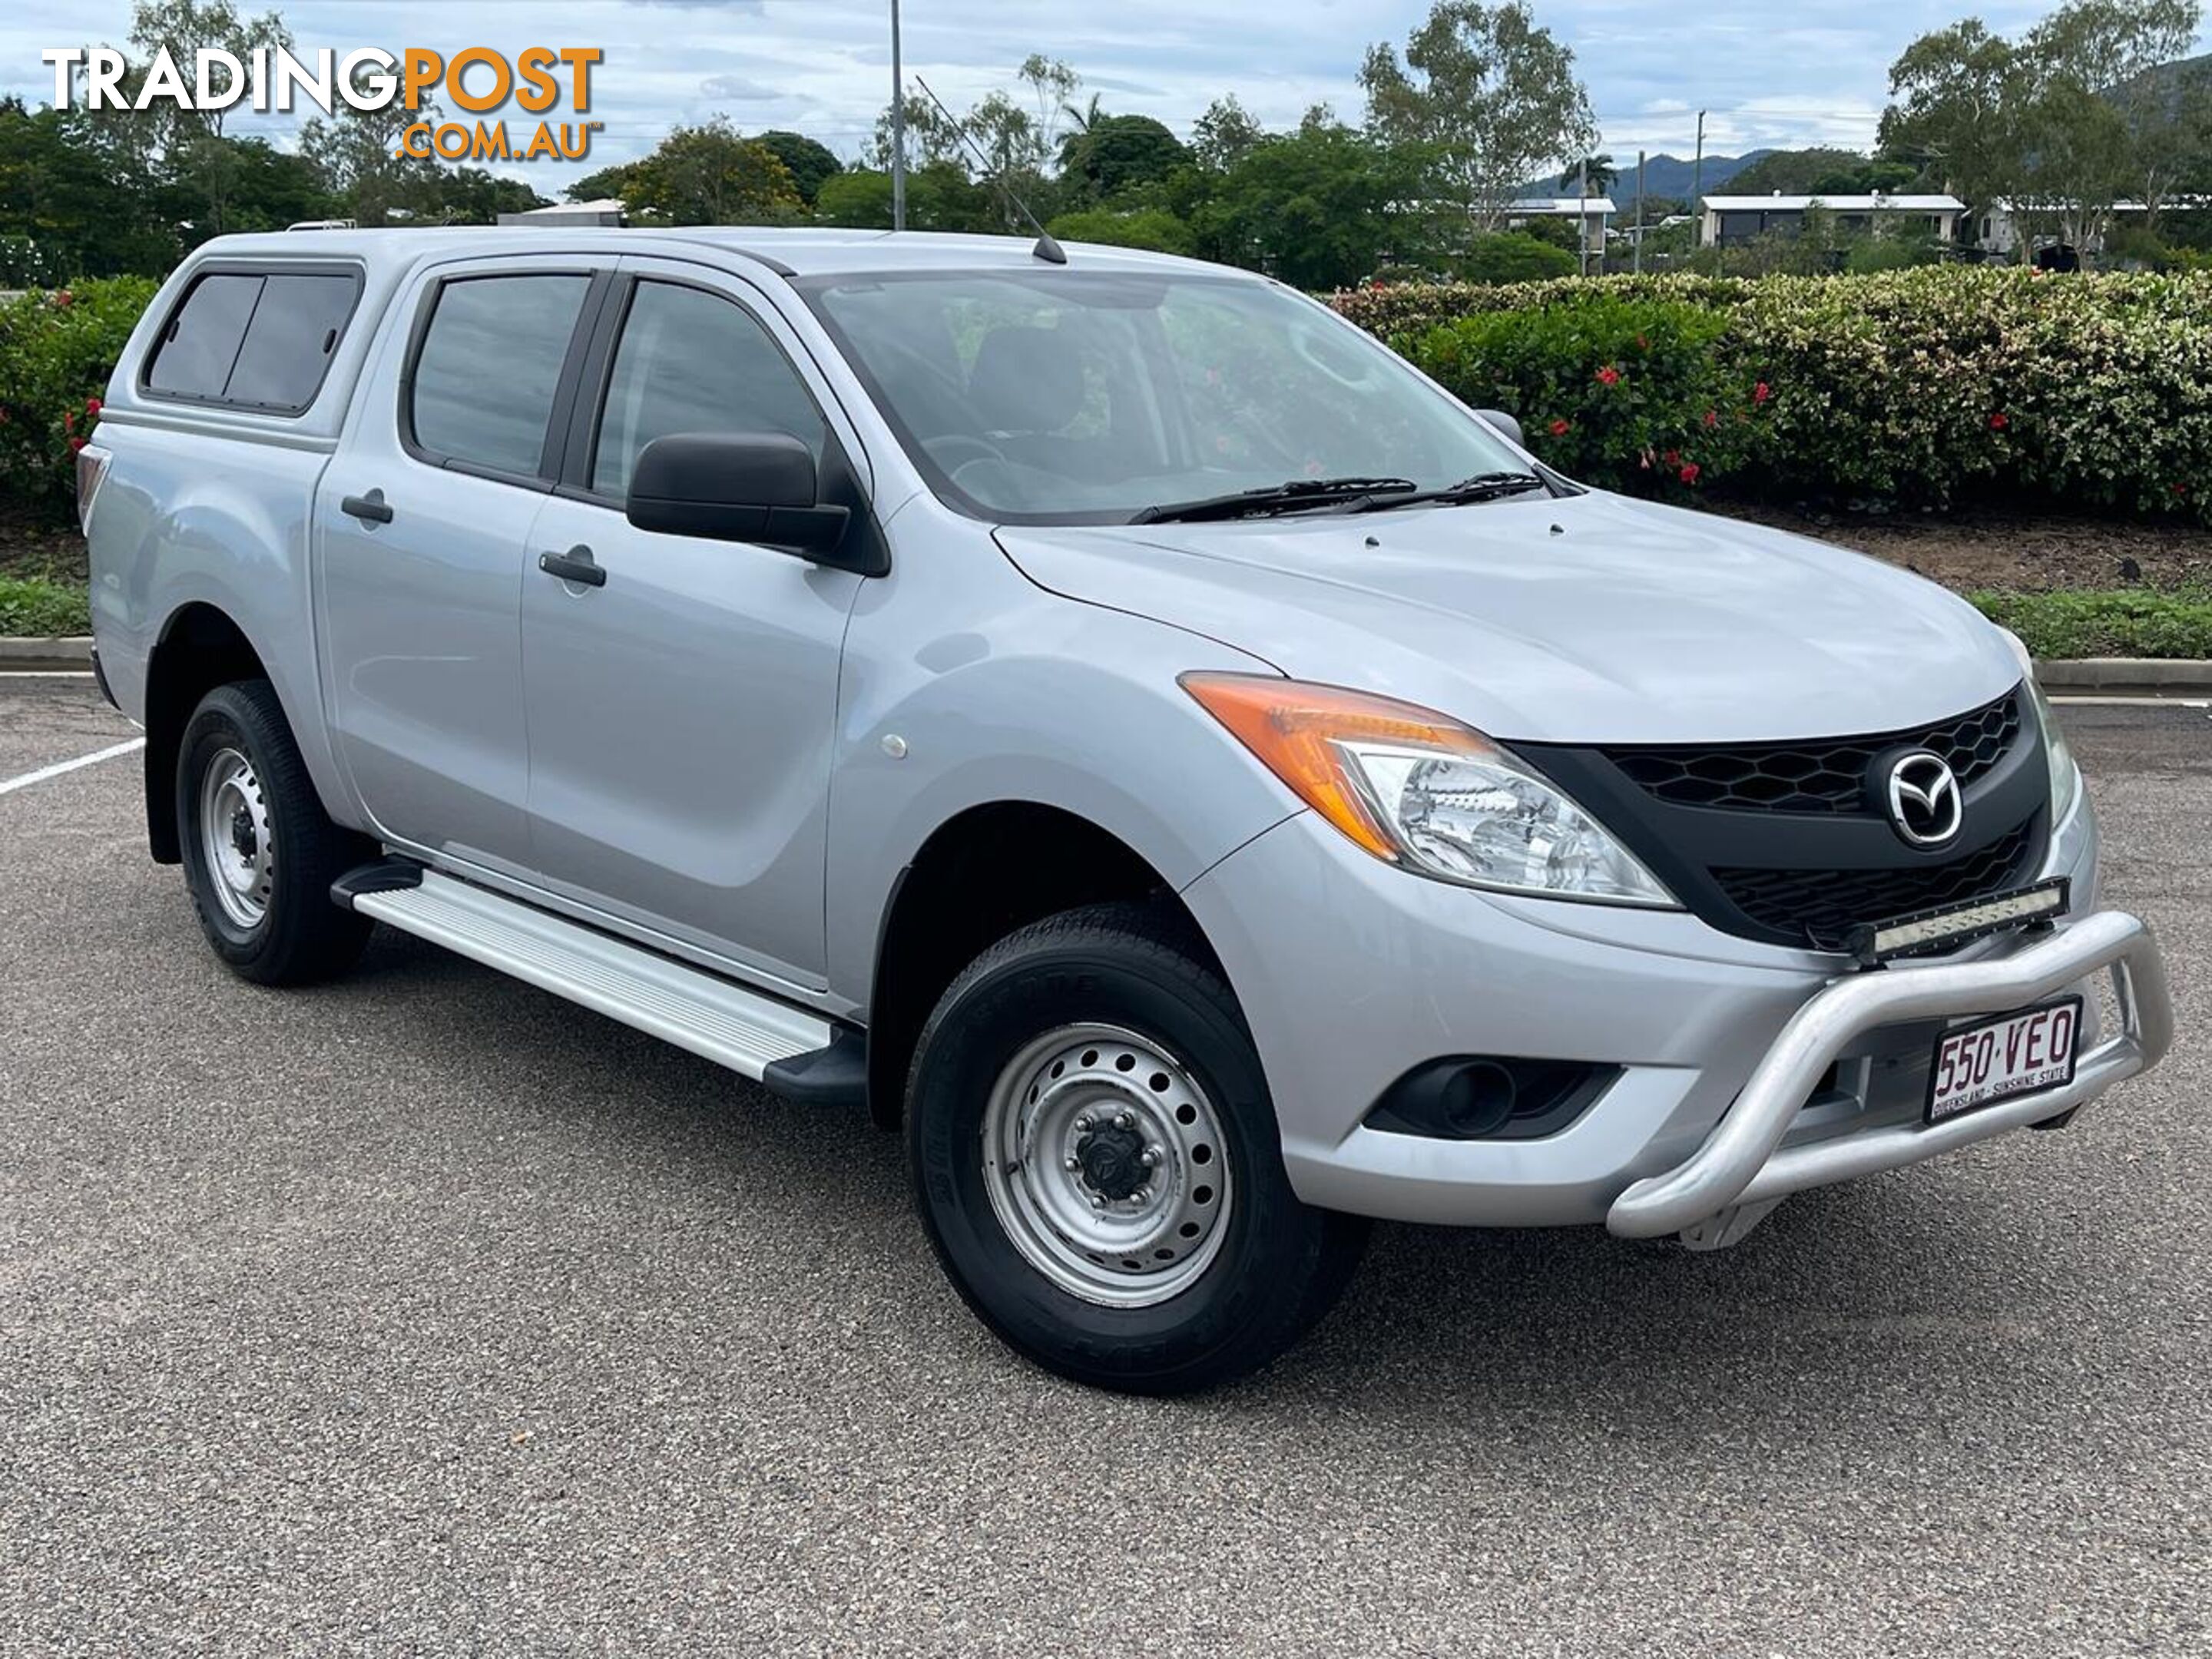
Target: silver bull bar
(1728, 1183)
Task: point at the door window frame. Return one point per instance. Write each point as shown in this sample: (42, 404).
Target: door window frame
(567, 382)
(580, 454)
(844, 478)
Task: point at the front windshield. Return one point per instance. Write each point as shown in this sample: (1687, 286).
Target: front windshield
(1065, 396)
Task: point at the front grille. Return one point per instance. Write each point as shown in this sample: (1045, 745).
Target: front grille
(1825, 905)
(1825, 775)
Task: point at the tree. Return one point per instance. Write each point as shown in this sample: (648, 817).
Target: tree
(1513, 255)
(1796, 172)
(1053, 84)
(939, 196)
(358, 155)
(185, 150)
(2060, 124)
(1147, 227)
(1225, 135)
(1090, 115)
(1312, 207)
(808, 162)
(472, 195)
(1592, 177)
(1119, 151)
(70, 206)
(709, 175)
(1491, 97)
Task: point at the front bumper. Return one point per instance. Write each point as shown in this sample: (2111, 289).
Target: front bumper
(1713, 1197)
(1350, 971)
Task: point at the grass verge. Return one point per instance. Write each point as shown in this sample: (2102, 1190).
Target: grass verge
(35, 608)
(2067, 622)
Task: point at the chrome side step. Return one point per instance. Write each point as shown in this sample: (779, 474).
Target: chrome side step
(713, 1017)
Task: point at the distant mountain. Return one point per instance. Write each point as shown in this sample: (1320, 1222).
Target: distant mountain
(1664, 175)
(1675, 175)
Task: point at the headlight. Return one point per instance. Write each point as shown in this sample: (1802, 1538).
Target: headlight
(1422, 791)
(2065, 773)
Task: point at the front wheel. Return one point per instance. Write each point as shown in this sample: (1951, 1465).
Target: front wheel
(1097, 1161)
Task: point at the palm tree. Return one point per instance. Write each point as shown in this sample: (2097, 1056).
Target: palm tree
(1087, 116)
(1598, 173)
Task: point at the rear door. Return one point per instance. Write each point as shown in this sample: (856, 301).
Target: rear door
(681, 712)
(422, 518)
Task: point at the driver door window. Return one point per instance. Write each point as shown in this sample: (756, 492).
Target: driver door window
(693, 362)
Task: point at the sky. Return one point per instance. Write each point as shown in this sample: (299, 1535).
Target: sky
(1768, 72)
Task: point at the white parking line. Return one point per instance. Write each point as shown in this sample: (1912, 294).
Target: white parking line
(2135, 702)
(59, 767)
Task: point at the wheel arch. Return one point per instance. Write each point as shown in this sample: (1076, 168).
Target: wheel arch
(201, 646)
(987, 871)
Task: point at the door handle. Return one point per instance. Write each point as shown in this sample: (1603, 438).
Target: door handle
(577, 565)
(371, 508)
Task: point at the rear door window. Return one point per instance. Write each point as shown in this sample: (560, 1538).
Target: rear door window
(488, 367)
(260, 340)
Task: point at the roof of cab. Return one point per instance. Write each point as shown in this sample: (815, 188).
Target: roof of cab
(798, 252)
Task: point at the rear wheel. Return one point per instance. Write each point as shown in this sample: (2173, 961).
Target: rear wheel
(1096, 1156)
(259, 852)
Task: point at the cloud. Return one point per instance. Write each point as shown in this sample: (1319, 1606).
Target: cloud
(1813, 71)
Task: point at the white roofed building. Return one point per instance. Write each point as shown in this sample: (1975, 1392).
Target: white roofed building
(1731, 221)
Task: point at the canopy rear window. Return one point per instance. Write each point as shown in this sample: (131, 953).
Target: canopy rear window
(253, 339)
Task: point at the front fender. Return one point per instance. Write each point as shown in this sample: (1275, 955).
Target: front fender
(1042, 699)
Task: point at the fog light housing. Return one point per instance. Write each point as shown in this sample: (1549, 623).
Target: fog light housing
(1489, 1097)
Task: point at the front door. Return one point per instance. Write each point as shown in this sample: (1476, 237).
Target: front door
(681, 710)
(421, 521)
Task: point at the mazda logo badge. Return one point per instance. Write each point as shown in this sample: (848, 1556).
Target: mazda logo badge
(1923, 798)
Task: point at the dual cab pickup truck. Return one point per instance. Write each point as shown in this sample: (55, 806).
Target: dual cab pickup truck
(1102, 713)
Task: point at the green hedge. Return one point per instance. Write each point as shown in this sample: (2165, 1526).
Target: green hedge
(34, 608)
(2128, 622)
(1924, 387)
(57, 350)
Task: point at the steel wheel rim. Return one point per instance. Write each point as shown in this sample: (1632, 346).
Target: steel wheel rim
(1057, 1137)
(235, 842)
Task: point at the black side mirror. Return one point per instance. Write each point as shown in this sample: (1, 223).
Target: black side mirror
(734, 487)
(1505, 423)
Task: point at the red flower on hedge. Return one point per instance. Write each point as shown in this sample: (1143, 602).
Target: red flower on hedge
(75, 444)
(68, 420)
(92, 406)
(1558, 428)
(1689, 472)
(1712, 418)
(1761, 392)
(64, 297)
(1608, 375)
(1998, 423)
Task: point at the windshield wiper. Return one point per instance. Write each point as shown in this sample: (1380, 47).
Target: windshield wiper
(1293, 495)
(1482, 487)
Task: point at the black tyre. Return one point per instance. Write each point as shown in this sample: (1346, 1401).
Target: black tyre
(259, 852)
(1096, 1158)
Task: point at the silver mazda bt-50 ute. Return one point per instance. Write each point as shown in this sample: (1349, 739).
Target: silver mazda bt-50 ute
(1103, 714)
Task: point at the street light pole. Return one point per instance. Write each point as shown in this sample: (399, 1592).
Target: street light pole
(1697, 182)
(898, 127)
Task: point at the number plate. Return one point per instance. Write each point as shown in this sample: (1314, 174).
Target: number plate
(2001, 1059)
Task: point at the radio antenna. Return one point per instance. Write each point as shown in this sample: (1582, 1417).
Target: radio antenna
(1045, 249)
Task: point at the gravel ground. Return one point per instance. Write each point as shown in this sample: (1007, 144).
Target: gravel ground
(428, 1313)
